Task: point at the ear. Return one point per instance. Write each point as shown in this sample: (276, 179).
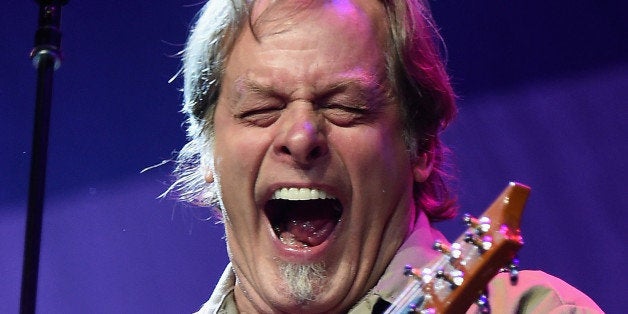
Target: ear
(422, 167)
(209, 175)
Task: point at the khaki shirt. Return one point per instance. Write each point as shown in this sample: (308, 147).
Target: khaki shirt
(535, 291)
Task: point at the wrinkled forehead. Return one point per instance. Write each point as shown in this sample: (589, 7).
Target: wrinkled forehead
(271, 17)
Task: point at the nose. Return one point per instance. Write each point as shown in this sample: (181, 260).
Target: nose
(303, 140)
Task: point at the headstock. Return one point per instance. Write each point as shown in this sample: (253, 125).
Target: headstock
(452, 282)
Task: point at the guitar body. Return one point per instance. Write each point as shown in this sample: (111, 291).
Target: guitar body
(453, 281)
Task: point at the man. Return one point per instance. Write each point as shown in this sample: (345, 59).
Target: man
(314, 129)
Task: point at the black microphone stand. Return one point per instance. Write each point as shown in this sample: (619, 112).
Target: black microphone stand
(46, 56)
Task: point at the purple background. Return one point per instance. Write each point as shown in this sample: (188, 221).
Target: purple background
(543, 89)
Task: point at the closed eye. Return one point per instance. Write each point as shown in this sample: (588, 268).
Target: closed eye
(349, 109)
(261, 117)
(345, 115)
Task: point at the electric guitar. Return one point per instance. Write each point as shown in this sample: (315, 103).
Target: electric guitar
(453, 281)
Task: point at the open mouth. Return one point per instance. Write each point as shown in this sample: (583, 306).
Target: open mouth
(303, 217)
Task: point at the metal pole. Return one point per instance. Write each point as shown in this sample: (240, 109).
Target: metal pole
(46, 56)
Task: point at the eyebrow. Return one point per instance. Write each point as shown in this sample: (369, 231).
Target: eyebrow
(358, 85)
(371, 89)
(247, 85)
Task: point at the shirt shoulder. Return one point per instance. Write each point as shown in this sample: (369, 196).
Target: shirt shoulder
(536, 292)
(221, 301)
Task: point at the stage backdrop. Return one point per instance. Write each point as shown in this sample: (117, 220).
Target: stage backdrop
(543, 91)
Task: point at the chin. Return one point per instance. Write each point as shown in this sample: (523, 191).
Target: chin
(307, 288)
(303, 282)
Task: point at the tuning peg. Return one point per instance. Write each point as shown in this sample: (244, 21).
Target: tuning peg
(454, 278)
(481, 226)
(411, 308)
(483, 304)
(409, 271)
(424, 275)
(454, 251)
(483, 244)
(513, 269)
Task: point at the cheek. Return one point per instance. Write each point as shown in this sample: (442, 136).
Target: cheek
(230, 160)
(380, 153)
(238, 150)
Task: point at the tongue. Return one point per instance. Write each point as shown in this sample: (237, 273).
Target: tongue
(307, 226)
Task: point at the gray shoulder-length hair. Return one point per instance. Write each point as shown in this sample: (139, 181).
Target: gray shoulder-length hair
(415, 70)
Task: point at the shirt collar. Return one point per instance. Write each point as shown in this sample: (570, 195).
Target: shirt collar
(416, 251)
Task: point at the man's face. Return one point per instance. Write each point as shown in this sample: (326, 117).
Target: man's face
(315, 178)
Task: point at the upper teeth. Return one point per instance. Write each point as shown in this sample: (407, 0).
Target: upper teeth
(302, 194)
